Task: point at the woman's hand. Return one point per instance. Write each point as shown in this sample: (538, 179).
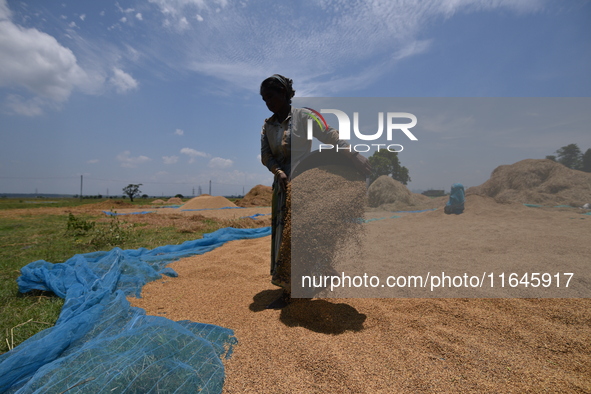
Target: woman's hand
(282, 180)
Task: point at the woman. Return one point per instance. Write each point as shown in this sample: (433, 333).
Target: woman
(283, 142)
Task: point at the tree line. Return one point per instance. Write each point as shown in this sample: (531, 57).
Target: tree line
(572, 157)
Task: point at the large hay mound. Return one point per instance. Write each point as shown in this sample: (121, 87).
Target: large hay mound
(536, 181)
(159, 201)
(258, 196)
(207, 202)
(386, 190)
(174, 200)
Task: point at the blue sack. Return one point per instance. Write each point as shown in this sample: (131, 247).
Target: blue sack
(455, 204)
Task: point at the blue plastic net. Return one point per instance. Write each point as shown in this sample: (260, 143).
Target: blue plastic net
(100, 344)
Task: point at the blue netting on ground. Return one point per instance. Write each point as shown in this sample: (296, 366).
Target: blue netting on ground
(109, 213)
(100, 344)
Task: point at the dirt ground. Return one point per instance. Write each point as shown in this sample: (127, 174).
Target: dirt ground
(385, 345)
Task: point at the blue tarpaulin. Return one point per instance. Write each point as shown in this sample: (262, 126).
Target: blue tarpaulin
(100, 344)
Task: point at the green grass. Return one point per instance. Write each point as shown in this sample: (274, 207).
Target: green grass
(32, 203)
(25, 238)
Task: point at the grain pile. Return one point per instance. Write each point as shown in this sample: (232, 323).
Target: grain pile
(397, 345)
(537, 181)
(158, 201)
(174, 200)
(392, 195)
(327, 207)
(205, 201)
(258, 196)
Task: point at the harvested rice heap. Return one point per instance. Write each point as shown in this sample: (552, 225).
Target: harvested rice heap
(258, 196)
(205, 201)
(390, 194)
(535, 181)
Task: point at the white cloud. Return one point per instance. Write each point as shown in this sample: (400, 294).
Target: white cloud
(179, 132)
(82, 17)
(126, 10)
(93, 161)
(4, 10)
(36, 61)
(218, 162)
(72, 24)
(139, 16)
(131, 162)
(123, 20)
(174, 10)
(183, 23)
(170, 159)
(28, 107)
(192, 153)
(122, 81)
(345, 44)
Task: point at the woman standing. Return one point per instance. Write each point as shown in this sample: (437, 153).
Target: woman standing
(283, 142)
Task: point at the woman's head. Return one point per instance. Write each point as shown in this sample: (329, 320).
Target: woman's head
(277, 92)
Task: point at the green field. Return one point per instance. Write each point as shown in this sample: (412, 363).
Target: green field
(57, 231)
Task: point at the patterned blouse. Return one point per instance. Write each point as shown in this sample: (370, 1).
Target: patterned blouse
(286, 142)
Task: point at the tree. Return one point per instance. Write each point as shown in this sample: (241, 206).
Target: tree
(384, 162)
(132, 190)
(551, 157)
(569, 156)
(586, 161)
(179, 196)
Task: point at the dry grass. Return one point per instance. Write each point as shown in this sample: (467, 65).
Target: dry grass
(536, 182)
(193, 223)
(258, 196)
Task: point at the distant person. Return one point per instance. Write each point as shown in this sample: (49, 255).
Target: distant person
(283, 141)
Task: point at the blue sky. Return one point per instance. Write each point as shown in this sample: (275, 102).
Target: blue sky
(165, 92)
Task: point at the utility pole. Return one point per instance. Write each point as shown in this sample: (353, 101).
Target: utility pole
(210, 187)
(81, 180)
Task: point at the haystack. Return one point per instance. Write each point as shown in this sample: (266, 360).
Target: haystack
(258, 196)
(536, 181)
(159, 201)
(386, 190)
(207, 202)
(174, 200)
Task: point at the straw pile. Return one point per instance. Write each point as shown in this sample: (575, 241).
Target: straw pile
(390, 194)
(536, 181)
(386, 190)
(174, 200)
(159, 201)
(258, 196)
(205, 201)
